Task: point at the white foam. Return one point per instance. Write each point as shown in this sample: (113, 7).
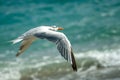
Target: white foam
(13, 68)
(107, 57)
(9, 74)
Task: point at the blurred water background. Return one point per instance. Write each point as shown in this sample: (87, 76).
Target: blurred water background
(92, 26)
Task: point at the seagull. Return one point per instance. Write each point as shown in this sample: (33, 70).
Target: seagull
(50, 33)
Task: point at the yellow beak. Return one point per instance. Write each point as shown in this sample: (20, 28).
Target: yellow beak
(60, 28)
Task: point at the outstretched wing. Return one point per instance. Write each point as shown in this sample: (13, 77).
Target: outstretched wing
(64, 48)
(25, 44)
(63, 45)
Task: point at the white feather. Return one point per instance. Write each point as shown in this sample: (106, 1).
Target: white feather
(16, 40)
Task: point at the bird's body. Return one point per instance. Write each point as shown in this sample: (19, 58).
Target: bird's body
(51, 34)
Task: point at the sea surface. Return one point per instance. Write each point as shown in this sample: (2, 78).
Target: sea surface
(92, 26)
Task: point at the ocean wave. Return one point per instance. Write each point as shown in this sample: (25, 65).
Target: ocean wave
(92, 26)
(47, 67)
(103, 65)
(106, 57)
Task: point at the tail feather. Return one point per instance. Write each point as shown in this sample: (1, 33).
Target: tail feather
(16, 40)
(74, 65)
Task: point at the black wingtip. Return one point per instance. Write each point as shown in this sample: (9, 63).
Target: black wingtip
(17, 54)
(74, 65)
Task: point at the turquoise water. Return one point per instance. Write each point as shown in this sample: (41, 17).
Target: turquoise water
(92, 27)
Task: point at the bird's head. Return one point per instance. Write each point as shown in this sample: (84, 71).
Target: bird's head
(54, 28)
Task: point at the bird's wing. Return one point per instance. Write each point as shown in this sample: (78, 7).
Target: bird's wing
(63, 45)
(24, 45)
(64, 48)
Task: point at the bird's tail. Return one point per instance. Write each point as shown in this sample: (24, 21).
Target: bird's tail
(74, 65)
(16, 40)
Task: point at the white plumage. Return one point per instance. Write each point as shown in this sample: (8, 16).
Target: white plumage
(51, 34)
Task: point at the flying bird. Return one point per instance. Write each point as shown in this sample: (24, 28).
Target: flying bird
(50, 33)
